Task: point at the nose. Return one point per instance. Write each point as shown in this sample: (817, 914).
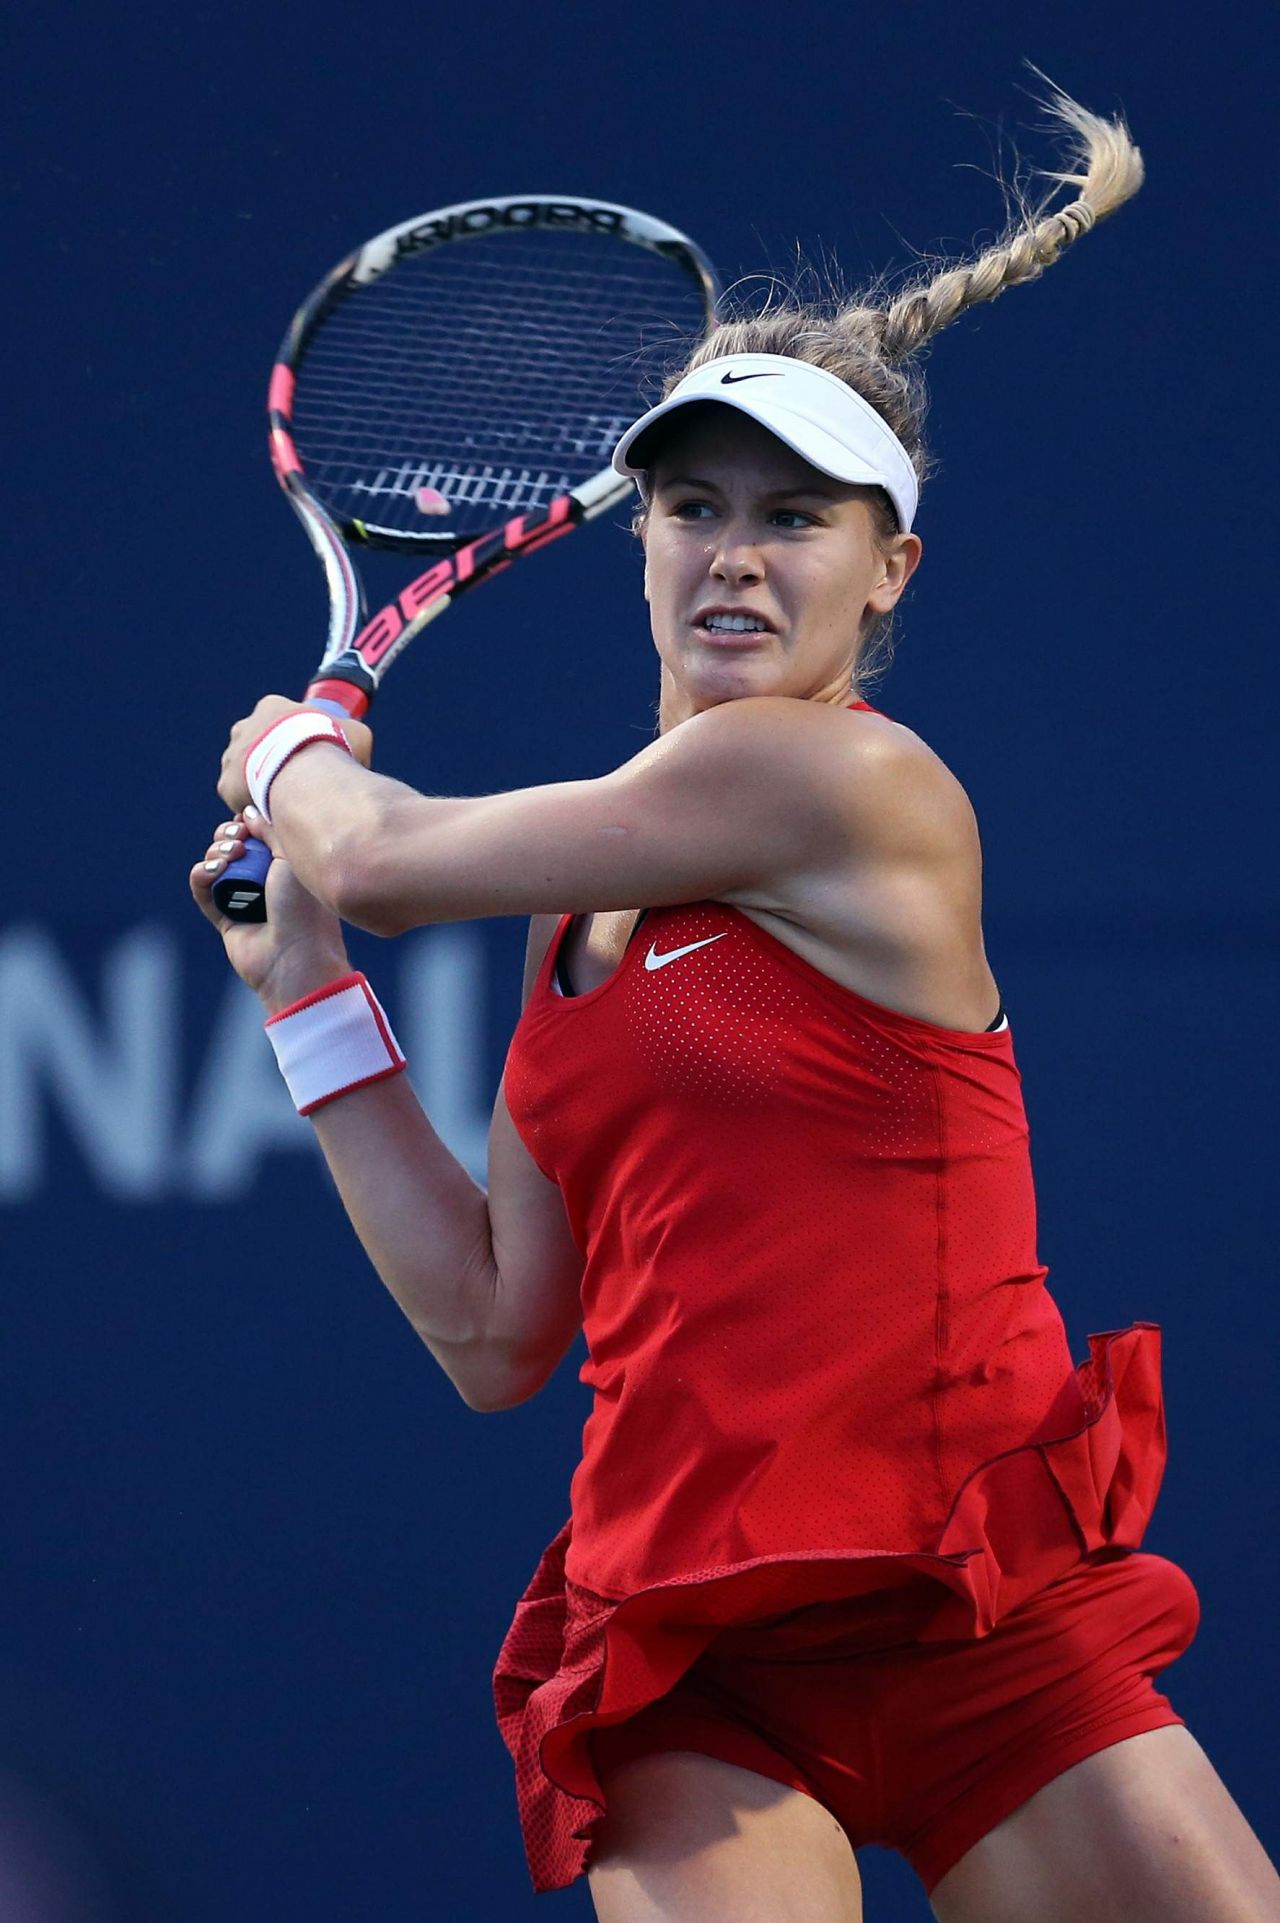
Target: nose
(736, 559)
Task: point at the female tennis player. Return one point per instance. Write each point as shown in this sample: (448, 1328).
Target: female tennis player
(854, 1550)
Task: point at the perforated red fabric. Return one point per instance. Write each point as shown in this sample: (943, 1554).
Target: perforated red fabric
(824, 1361)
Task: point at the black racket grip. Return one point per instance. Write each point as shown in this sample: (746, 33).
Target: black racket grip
(240, 892)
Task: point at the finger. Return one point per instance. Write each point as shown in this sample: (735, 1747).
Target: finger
(218, 853)
(259, 827)
(230, 788)
(201, 882)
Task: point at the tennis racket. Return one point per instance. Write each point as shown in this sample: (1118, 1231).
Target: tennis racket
(452, 393)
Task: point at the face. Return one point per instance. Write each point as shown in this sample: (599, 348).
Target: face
(739, 525)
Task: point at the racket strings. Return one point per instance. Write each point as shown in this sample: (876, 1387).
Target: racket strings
(492, 374)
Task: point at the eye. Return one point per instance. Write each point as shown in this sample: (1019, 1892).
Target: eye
(792, 517)
(691, 510)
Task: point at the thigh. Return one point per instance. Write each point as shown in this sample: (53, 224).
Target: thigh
(971, 1733)
(1143, 1832)
(692, 1839)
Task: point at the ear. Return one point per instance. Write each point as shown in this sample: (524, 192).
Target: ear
(900, 559)
(642, 530)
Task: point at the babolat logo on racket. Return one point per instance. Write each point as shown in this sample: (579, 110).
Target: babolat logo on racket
(474, 218)
(516, 213)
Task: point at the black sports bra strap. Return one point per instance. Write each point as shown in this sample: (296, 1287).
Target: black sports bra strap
(561, 972)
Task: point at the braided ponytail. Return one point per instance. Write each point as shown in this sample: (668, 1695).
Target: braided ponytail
(1112, 174)
(870, 343)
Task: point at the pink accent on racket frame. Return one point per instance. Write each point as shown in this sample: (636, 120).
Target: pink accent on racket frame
(284, 455)
(280, 392)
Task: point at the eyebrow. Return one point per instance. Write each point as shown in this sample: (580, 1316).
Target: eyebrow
(780, 494)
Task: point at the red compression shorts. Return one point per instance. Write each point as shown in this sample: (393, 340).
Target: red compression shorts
(924, 1748)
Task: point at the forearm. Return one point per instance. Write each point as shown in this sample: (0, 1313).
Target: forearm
(347, 832)
(423, 1222)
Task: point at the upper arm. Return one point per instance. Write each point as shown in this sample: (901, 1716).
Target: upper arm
(536, 1306)
(741, 803)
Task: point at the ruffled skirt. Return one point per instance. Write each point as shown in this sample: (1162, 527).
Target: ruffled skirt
(574, 1662)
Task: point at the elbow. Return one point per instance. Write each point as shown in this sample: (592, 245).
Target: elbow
(359, 903)
(495, 1380)
(490, 1399)
(361, 885)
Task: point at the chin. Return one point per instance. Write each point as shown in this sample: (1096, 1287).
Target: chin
(733, 675)
(697, 683)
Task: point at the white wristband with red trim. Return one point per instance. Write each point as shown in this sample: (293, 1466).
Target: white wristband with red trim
(332, 1041)
(278, 743)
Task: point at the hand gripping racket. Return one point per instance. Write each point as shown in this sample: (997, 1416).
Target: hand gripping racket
(452, 392)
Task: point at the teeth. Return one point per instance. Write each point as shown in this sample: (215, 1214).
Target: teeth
(735, 623)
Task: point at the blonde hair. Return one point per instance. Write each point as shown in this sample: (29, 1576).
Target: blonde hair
(870, 343)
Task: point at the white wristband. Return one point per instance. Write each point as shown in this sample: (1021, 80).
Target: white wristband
(333, 1041)
(282, 739)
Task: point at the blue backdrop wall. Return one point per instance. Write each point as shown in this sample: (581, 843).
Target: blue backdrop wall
(258, 1557)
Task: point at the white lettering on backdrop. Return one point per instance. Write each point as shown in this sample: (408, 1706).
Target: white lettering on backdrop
(109, 1066)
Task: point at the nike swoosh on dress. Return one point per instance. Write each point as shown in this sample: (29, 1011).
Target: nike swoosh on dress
(654, 960)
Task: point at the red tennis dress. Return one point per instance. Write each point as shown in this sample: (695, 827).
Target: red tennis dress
(826, 1369)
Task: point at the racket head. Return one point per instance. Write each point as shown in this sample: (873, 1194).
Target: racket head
(471, 370)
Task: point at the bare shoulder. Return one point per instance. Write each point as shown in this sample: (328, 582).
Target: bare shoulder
(878, 776)
(906, 785)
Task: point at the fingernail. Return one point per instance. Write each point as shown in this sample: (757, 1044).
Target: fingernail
(212, 867)
(228, 847)
(250, 812)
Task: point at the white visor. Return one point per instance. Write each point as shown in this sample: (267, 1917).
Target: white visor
(814, 412)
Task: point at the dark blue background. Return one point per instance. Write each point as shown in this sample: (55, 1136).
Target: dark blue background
(259, 1557)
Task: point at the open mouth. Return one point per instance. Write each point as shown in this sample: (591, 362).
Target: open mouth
(730, 629)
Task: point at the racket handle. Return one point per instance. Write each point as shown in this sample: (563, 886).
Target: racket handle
(240, 892)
